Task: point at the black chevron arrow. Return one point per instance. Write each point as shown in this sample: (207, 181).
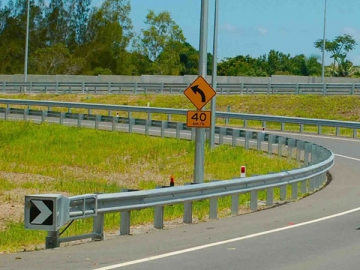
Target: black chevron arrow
(196, 89)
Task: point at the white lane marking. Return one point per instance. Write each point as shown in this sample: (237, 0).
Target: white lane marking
(357, 159)
(224, 242)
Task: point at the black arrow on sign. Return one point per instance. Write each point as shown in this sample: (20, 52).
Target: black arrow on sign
(196, 89)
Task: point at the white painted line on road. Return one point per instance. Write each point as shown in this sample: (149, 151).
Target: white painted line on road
(357, 159)
(224, 242)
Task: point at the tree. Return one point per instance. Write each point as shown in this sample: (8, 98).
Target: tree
(162, 43)
(339, 47)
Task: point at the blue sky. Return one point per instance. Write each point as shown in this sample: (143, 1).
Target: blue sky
(255, 27)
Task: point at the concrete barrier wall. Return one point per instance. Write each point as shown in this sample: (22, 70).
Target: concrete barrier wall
(173, 79)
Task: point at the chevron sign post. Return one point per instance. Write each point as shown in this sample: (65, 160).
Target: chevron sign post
(42, 212)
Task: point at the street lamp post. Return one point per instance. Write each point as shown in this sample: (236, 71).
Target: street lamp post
(27, 41)
(214, 76)
(323, 51)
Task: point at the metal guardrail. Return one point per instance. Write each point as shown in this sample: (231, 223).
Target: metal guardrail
(110, 109)
(176, 88)
(316, 161)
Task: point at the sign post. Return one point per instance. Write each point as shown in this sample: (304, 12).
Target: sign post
(199, 93)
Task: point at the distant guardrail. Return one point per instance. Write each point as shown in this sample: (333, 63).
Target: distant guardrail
(177, 88)
(54, 211)
(9, 106)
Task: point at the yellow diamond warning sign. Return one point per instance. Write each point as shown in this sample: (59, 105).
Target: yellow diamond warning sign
(200, 92)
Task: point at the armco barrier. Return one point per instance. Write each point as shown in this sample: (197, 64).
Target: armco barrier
(177, 88)
(54, 211)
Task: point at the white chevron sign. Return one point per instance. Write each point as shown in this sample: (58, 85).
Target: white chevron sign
(45, 212)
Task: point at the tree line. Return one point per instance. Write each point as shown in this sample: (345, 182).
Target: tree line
(71, 37)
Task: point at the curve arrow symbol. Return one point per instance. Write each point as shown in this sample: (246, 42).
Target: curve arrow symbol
(45, 212)
(196, 89)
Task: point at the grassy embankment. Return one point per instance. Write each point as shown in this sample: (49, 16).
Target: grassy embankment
(56, 159)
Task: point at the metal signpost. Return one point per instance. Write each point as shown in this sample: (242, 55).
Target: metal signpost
(200, 132)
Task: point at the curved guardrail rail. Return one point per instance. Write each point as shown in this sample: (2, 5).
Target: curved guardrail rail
(176, 88)
(316, 161)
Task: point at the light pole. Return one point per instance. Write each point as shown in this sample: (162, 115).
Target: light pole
(27, 40)
(323, 51)
(214, 76)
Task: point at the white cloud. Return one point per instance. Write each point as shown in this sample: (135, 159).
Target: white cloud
(233, 29)
(355, 33)
(229, 27)
(262, 31)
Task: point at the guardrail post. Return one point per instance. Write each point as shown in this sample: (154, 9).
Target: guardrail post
(109, 88)
(301, 128)
(221, 135)
(43, 116)
(125, 222)
(162, 88)
(131, 124)
(253, 200)
(97, 121)
(283, 193)
(227, 120)
(260, 139)
(299, 147)
(294, 191)
(245, 123)
(319, 130)
(280, 146)
(303, 187)
(282, 126)
(337, 131)
(69, 110)
(307, 152)
(355, 133)
(324, 89)
(147, 126)
(291, 145)
(159, 217)
(179, 127)
(89, 111)
(352, 89)
(7, 112)
(270, 196)
(26, 113)
(3, 87)
(164, 125)
(235, 135)
(113, 123)
(62, 116)
(135, 87)
(271, 140)
(52, 240)
(98, 227)
(313, 154)
(213, 208)
(80, 118)
(312, 184)
(235, 204)
(187, 213)
(247, 139)
(169, 117)
(297, 89)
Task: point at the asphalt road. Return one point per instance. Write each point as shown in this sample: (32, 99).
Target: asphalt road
(318, 232)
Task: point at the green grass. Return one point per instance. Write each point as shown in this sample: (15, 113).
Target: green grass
(70, 161)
